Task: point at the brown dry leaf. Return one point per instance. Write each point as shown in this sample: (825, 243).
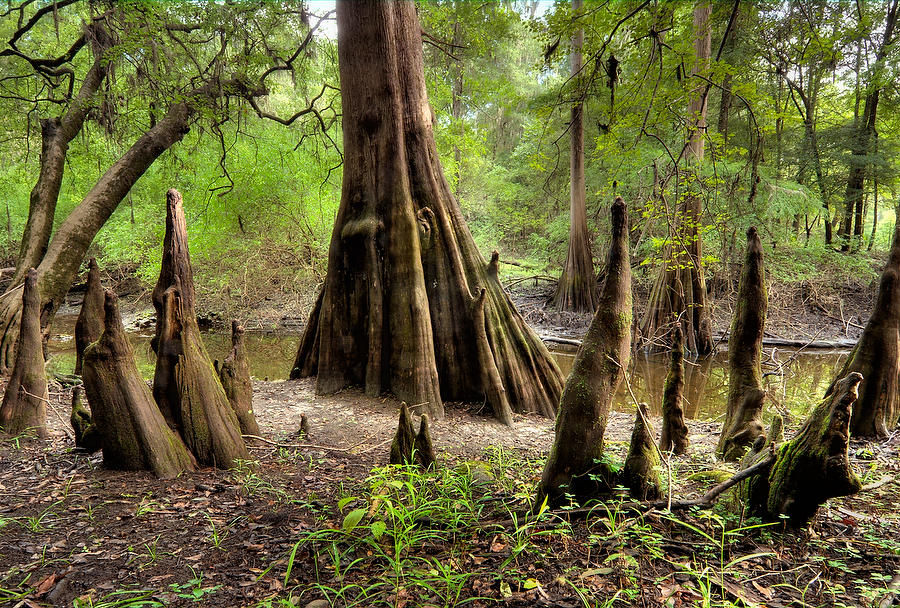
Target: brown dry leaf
(44, 587)
(766, 591)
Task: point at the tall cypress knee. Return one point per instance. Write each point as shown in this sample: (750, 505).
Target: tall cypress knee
(813, 466)
(746, 397)
(674, 434)
(185, 385)
(133, 434)
(89, 325)
(24, 408)
(573, 464)
(876, 356)
(396, 313)
(235, 377)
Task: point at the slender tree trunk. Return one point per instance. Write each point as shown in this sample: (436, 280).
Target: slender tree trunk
(679, 293)
(574, 467)
(877, 356)
(89, 325)
(399, 311)
(860, 153)
(743, 411)
(64, 256)
(576, 290)
(24, 407)
(133, 434)
(185, 385)
(874, 204)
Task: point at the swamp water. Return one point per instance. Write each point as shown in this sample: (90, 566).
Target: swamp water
(794, 381)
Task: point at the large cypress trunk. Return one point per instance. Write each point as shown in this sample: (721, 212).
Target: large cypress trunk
(877, 356)
(576, 290)
(400, 309)
(743, 410)
(89, 325)
(24, 408)
(133, 434)
(185, 385)
(574, 465)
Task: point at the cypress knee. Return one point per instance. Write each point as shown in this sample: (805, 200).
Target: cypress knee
(185, 385)
(674, 435)
(876, 356)
(24, 408)
(813, 466)
(641, 472)
(87, 436)
(235, 376)
(574, 466)
(746, 397)
(89, 325)
(133, 434)
(408, 446)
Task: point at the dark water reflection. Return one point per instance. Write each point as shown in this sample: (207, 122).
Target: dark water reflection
(794, 381)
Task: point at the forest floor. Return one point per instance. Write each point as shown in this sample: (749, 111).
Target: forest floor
(321, 519)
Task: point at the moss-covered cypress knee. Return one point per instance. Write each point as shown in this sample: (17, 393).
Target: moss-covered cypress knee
(234, 374)
(746, 397)
(89, 324)
(574, 466)
(641, 472)
(674, 435)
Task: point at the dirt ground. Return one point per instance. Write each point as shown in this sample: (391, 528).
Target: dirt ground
(76, 534)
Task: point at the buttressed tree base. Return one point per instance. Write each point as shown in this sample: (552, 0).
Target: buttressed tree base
(409, 305)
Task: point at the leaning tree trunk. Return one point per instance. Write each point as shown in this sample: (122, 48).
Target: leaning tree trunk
(577, 290)
(89, 325)
(674, 434)
(56, 134)
(185, 385)
(401, 308)
(679, 293)
(574, 466)
(64, 256)
(743, 410)
(811, 468)
(235, 377)
(24, 408)
(877, 356)
(133, 434)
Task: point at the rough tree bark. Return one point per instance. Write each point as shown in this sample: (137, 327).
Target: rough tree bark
(66, 251)
(574, 465)
(674, 434)
(577, 289)
(133, 434)
(89, 325)
(746, 397)
(680, 288)
(235, 377)
(409, 447)
(185, 385)
(877, 356)
(24, 408)
(641, 471)
(401, 310)
(811, 468)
